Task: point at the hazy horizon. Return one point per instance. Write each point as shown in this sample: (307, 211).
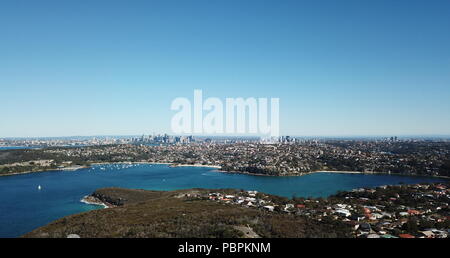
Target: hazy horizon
(426, 136)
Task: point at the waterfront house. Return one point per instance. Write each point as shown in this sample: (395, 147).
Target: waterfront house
(269, 207)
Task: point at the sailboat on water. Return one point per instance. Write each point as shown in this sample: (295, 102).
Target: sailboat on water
(39, 187)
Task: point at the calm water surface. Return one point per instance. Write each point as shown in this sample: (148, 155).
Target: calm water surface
(23, 207)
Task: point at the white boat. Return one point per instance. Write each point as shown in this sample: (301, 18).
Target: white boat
(39, 187)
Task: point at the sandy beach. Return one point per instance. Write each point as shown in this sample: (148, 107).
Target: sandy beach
(195, 165)
(94, 201)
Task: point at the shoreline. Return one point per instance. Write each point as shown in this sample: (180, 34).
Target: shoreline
(377, 173)
(333, 171)
(172, 165)
(248, 173)
(91, 200)
(69, 169)
(218, 169)
(195, 165)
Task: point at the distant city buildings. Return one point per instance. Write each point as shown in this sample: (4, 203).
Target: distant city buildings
(157, 139)
(162, 139)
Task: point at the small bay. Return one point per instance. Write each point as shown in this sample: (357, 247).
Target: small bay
(24, 207)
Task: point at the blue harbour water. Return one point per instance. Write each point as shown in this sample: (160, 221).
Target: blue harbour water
(16, 147)
(23, 207)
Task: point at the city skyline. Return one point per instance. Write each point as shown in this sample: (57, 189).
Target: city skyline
(353, 69)
(236, 136)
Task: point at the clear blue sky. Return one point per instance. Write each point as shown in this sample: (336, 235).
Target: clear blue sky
(113, 67)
